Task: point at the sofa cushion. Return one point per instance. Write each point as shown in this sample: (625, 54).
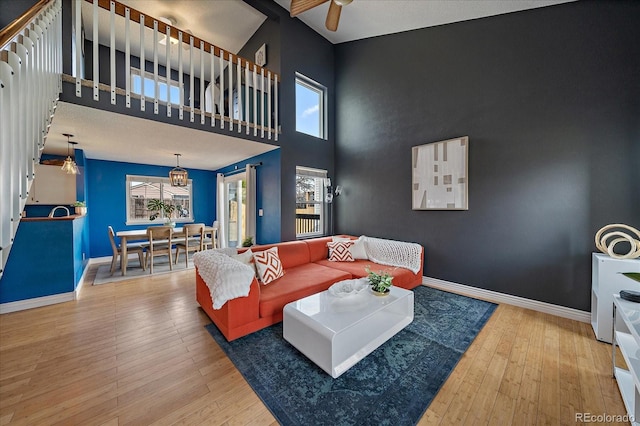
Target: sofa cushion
(357, 249)
(298, 282)
(291, 253)
(269, 265)
(339, 251)
(401, 277)
(318, 249)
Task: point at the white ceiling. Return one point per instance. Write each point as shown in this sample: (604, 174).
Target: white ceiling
(370, 18)
(108, 136)
(229, 24)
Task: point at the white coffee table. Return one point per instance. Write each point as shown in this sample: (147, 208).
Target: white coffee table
(336, 333)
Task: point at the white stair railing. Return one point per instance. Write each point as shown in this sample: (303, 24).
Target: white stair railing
(30, 83)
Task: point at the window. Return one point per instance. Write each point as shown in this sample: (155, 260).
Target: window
(142, 189)
(150, 84)
(310, 207)
(310, 107)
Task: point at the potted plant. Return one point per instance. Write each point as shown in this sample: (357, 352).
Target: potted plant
(247, 242)
(80, 208)
(380, 282)
(159, 206)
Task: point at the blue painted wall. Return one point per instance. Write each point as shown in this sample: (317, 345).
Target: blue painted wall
(106, 198)
(268, 194)
(41, 262)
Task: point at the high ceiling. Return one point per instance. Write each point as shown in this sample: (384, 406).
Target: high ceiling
(230, 24)
(370, 18)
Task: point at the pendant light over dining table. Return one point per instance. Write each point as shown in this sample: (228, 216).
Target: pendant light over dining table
(69, 166)
(178, 176)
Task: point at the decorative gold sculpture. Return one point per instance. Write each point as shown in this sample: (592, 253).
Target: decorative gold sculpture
(604, 245)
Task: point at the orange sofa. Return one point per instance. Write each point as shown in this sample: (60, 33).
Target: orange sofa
(307, 271)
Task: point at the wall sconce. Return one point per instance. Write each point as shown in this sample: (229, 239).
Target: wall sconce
(178, 176)
(69, 166)
(330, 192)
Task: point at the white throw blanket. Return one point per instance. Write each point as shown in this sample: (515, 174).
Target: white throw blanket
(394, 253)
(226, 278)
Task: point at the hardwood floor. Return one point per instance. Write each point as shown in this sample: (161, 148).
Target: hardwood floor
(136, 352)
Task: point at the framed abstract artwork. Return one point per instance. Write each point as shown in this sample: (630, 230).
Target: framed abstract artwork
(440, 175)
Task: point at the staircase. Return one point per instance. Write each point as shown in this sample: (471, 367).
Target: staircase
(30, 83)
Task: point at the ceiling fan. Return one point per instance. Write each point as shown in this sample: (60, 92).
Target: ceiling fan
(333, 17)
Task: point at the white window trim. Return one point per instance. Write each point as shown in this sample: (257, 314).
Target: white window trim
(160, 220)
(322, 91)
(315, 173)
(161, 79)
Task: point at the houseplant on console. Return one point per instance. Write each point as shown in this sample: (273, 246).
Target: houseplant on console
(380, 282)
(158, 206)
(80, 208)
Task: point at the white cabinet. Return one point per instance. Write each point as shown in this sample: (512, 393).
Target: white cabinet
(627, 337)
(52, 186)
(607, 280)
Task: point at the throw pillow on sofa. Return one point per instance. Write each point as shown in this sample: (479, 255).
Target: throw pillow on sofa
(247, 259)
(269, 265)
(357, 250)
(339, 251)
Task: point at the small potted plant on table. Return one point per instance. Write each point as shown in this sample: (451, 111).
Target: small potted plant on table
(380, 282)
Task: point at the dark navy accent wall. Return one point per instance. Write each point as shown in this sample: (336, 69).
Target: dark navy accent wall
(106, 198)
(299, 49)
(267, 196)
(10, 10)
(549, 100)
(304, 51)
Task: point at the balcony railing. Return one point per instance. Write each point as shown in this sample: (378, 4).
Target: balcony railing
(308, 224)
(248, 95)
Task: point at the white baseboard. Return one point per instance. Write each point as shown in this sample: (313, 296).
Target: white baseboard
(494, 296)
(36, 302)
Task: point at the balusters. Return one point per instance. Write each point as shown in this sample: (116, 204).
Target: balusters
(30, 73)
(96, 64)
(240, 78)
(142, 64)
(180, 85)
(221, 89)
(156, 86)
(191, 81)
(202, 83)
(127, 56)
(112, 50)
(168, 68)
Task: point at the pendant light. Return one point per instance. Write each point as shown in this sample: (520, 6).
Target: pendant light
(69, 166)
(178, 176)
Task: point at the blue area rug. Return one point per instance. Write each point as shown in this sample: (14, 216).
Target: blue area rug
(393, 385)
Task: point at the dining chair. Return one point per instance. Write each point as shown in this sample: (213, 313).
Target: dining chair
(211, 238)
(160, 243)
(193, 240)
(117, 251)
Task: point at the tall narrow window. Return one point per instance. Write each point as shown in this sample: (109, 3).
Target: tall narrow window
(310, 107)
(310, 207)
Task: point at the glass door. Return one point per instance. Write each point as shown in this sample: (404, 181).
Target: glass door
(235, 193)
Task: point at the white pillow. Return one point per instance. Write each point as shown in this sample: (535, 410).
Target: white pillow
(247, 259)
(357, 249)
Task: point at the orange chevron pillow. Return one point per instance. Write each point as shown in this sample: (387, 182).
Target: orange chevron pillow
(269, 265)
(339, 251)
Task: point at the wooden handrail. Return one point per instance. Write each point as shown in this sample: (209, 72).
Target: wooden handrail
(11, 30)
(134, 15)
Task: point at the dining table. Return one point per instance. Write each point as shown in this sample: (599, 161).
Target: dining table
(141, 235)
